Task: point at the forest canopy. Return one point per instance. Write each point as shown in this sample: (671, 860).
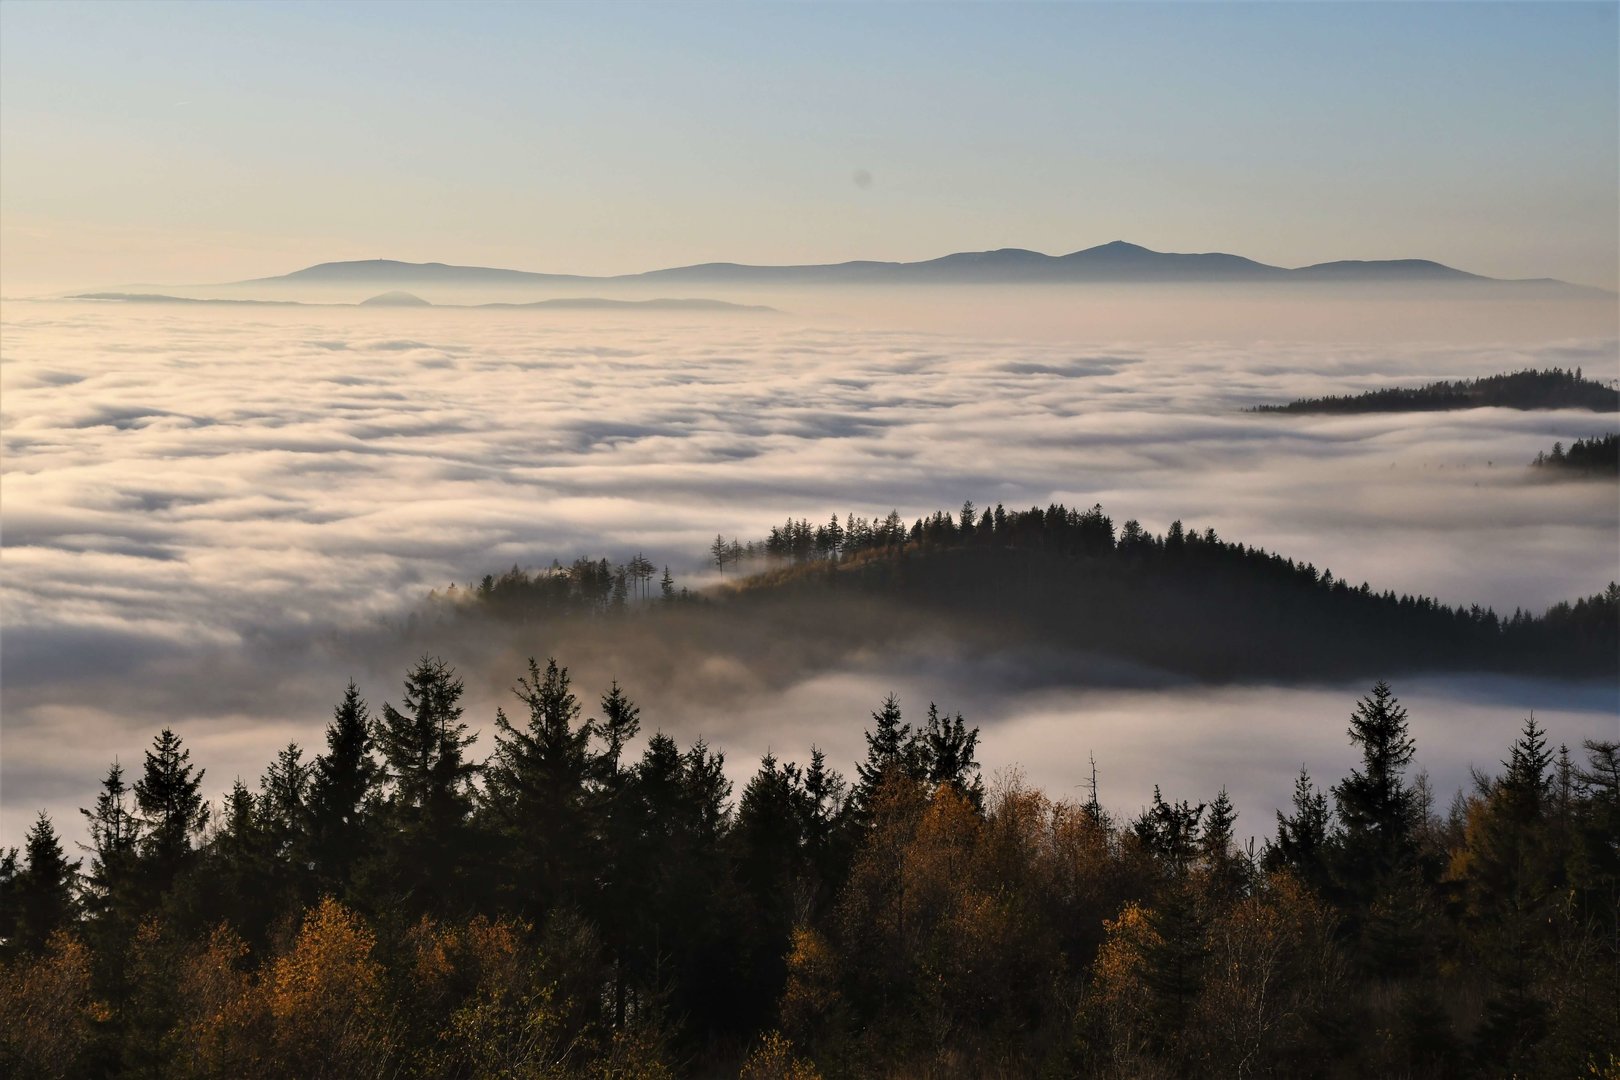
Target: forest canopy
(1186, 602)
(1553, 388)
(1595, 457)
(566, 899)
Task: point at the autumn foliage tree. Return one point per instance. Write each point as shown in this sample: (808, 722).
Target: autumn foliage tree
(590, 901)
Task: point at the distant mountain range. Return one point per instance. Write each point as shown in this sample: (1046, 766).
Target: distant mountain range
(1115, 263)
(398, 299)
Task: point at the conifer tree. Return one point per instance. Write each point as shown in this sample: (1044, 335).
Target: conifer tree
(9, 869)
(620, 722)
(43, 890)
(1175, 964)
(615, 827)
(114, 836)
(1598, 865)
(706, 789)
(423, 747)
(284, 802)
(1302, 837)
(425, 816)
(252, 881)
(536, 782)
(768, 840)
(1170, 831)
(1377, 810)
(889, 745)
(173, 813)
(342, 785)
(825, 838)
(1516, 866)
(1528, 780)
(947, 746)
(1224, 865)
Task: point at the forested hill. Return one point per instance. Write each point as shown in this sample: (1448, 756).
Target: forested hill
(1185, 602)
(1595, 457)
(1551, 389)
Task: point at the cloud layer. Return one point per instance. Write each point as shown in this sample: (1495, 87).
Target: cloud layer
(200, 507)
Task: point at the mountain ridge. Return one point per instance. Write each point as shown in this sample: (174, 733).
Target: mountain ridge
(408, 300)
(1115, 262)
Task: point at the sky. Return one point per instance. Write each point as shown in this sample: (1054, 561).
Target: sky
(189, 143)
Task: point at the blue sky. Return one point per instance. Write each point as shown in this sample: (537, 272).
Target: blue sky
(177, 142)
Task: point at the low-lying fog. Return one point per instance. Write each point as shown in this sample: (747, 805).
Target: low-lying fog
(208, 512)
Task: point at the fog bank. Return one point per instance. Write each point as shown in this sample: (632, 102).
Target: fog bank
(202, 506)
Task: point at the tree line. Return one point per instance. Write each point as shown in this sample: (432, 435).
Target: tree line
(1596, 456)
(1186, 600)
(1553, 388)
(585, 902)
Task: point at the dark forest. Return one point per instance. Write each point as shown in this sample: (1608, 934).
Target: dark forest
(562, 894)
(1186, 601)
(1553, 388)
(1594, 457)
(556, 906)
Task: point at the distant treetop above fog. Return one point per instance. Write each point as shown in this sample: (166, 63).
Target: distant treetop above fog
(1529, 389)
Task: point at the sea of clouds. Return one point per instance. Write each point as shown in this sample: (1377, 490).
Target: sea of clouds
(211, 516)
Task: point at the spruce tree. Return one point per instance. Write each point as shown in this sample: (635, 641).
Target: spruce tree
(615, 825)
(43, 890)
(1225, 867)
(1302, 837)
(425, 818)
(706, 790)
(536, 784)
(342, 786)
(284, 802)
(114, 836)
(1174, 971)
(767, 841)
(947, 746)
(890, 745)
(1517, 868)
(620, 722)
(1377, 810)
(824, 806)
(173, 813)
(9, 869)
(1170, 832)
(249, 881)
(1528, 780)
(423, 746)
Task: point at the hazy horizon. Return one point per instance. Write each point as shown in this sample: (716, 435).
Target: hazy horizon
(183, 143)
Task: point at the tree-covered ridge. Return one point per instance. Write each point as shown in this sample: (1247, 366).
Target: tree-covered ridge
(1554, 388)
(1186, 600)
(1597, 456)
(567, 908)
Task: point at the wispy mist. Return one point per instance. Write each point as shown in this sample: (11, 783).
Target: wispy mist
(209, 513)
